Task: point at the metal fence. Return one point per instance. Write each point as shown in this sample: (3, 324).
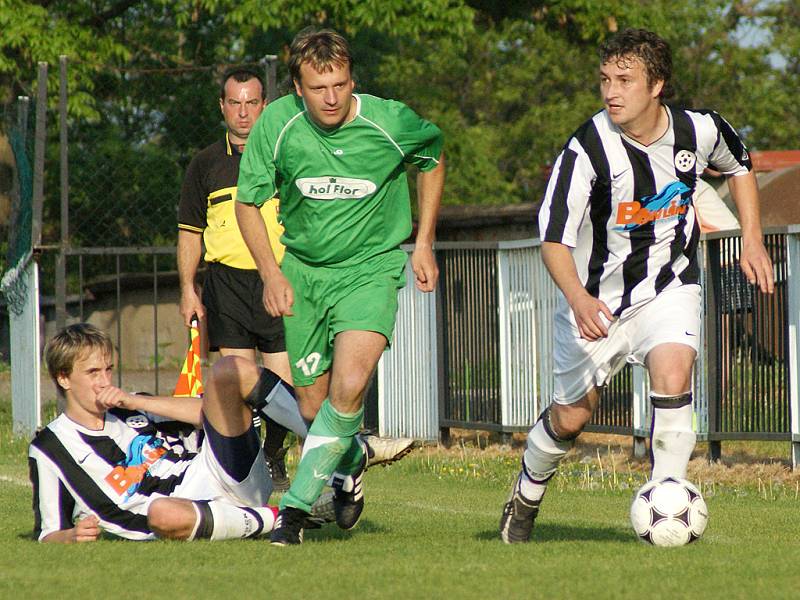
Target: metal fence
(116, 179)
(495, 305)
(752, 367)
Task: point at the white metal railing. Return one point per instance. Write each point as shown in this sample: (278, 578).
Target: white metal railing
(408, 373)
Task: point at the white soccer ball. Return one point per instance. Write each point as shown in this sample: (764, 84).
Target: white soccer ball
(669, 512)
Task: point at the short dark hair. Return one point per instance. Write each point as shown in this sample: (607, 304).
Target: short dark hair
(653, 51)
(240, 75)
(70, 345)
(322, 49)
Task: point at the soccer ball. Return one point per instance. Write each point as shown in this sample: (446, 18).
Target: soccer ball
(669, 512)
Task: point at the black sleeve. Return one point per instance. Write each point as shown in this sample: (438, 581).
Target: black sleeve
(194, 198)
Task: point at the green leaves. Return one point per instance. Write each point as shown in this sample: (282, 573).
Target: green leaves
(507, 82)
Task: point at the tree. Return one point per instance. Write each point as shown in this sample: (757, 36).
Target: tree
(507, 82)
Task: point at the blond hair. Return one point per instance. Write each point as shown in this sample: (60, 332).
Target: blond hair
(322, 49)
(71, 344)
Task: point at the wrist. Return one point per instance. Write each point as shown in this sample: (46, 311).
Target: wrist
(134, 401)
(574, 295)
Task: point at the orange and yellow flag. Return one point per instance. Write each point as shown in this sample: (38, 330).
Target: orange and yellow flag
(190, 381)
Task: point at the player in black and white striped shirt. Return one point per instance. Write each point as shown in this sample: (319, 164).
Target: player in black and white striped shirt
(620, 240)
(130, 464)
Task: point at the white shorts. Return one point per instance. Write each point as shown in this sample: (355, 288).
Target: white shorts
(206, 479)
(671, 317)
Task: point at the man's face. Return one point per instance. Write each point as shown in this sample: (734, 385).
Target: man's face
(91, 374)
(328, 96)
(625, 90)
(241, 107)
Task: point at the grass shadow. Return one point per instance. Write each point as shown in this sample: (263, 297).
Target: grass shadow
(331, 532)
(546, 532)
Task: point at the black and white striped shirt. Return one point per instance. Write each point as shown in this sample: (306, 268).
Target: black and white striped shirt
(113, 473)
(625, 209)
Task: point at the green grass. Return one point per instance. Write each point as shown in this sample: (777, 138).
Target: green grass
(429, 531)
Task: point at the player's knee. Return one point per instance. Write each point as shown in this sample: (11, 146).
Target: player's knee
(233, 377)
(161, 518)
(567, 422)
(672, 380)
(348, 388)
(309, 409)
(672, 384)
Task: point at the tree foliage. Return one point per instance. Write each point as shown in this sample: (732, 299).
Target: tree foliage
(506, 81)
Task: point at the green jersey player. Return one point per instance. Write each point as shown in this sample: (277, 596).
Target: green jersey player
(338, 161)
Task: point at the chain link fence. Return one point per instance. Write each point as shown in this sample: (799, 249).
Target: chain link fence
(126, 161)
(16, 207)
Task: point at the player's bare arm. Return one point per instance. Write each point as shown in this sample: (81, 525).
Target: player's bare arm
(754, 260)
(85, 530)
(586, 308)
(430, 185)
(190, 249)
(278, 293)
(185, 410)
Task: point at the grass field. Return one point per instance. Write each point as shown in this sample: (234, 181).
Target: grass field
(430, 531)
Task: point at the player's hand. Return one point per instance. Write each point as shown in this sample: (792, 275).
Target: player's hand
(757, 266)
(278, 295)
(86, 530)
(113, 397)
(588, 310)
(191, 306)
(423, 262)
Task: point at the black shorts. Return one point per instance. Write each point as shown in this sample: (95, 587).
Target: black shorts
(235, 313)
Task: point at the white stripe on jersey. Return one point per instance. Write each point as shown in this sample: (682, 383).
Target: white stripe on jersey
(283, 131)
(625, 209)
(113, 473)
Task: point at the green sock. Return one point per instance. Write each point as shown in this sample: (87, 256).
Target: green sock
(351, 461)
(330, 439)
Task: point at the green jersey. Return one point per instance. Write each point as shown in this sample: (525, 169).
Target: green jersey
(343, 193)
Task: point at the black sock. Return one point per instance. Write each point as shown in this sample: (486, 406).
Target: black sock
(275, 436)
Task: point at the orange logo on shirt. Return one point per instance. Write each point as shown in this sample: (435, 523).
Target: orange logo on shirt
(125, 478)
(673, 201)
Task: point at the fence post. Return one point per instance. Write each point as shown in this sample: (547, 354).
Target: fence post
(26, 401)
(793, 302)
(712, 291)
(640, 404)
(441, 358)
(504, 326)
(270, 62)
(61, 259)
(700, 376)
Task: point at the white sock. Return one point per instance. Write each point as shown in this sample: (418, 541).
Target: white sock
(542, 457)
(218, 520)
(282, 408)
(529, 489)
(672, 440)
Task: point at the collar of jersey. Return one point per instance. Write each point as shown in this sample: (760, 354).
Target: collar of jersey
(84, 428)
(231, 149)
(332, 131)
(665, 138)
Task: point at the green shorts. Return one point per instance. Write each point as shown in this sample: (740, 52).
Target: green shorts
(329, 300)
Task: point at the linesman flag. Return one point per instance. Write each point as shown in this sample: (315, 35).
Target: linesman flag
(190, 381)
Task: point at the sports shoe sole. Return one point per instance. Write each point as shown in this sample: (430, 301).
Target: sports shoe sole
(394, 458)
